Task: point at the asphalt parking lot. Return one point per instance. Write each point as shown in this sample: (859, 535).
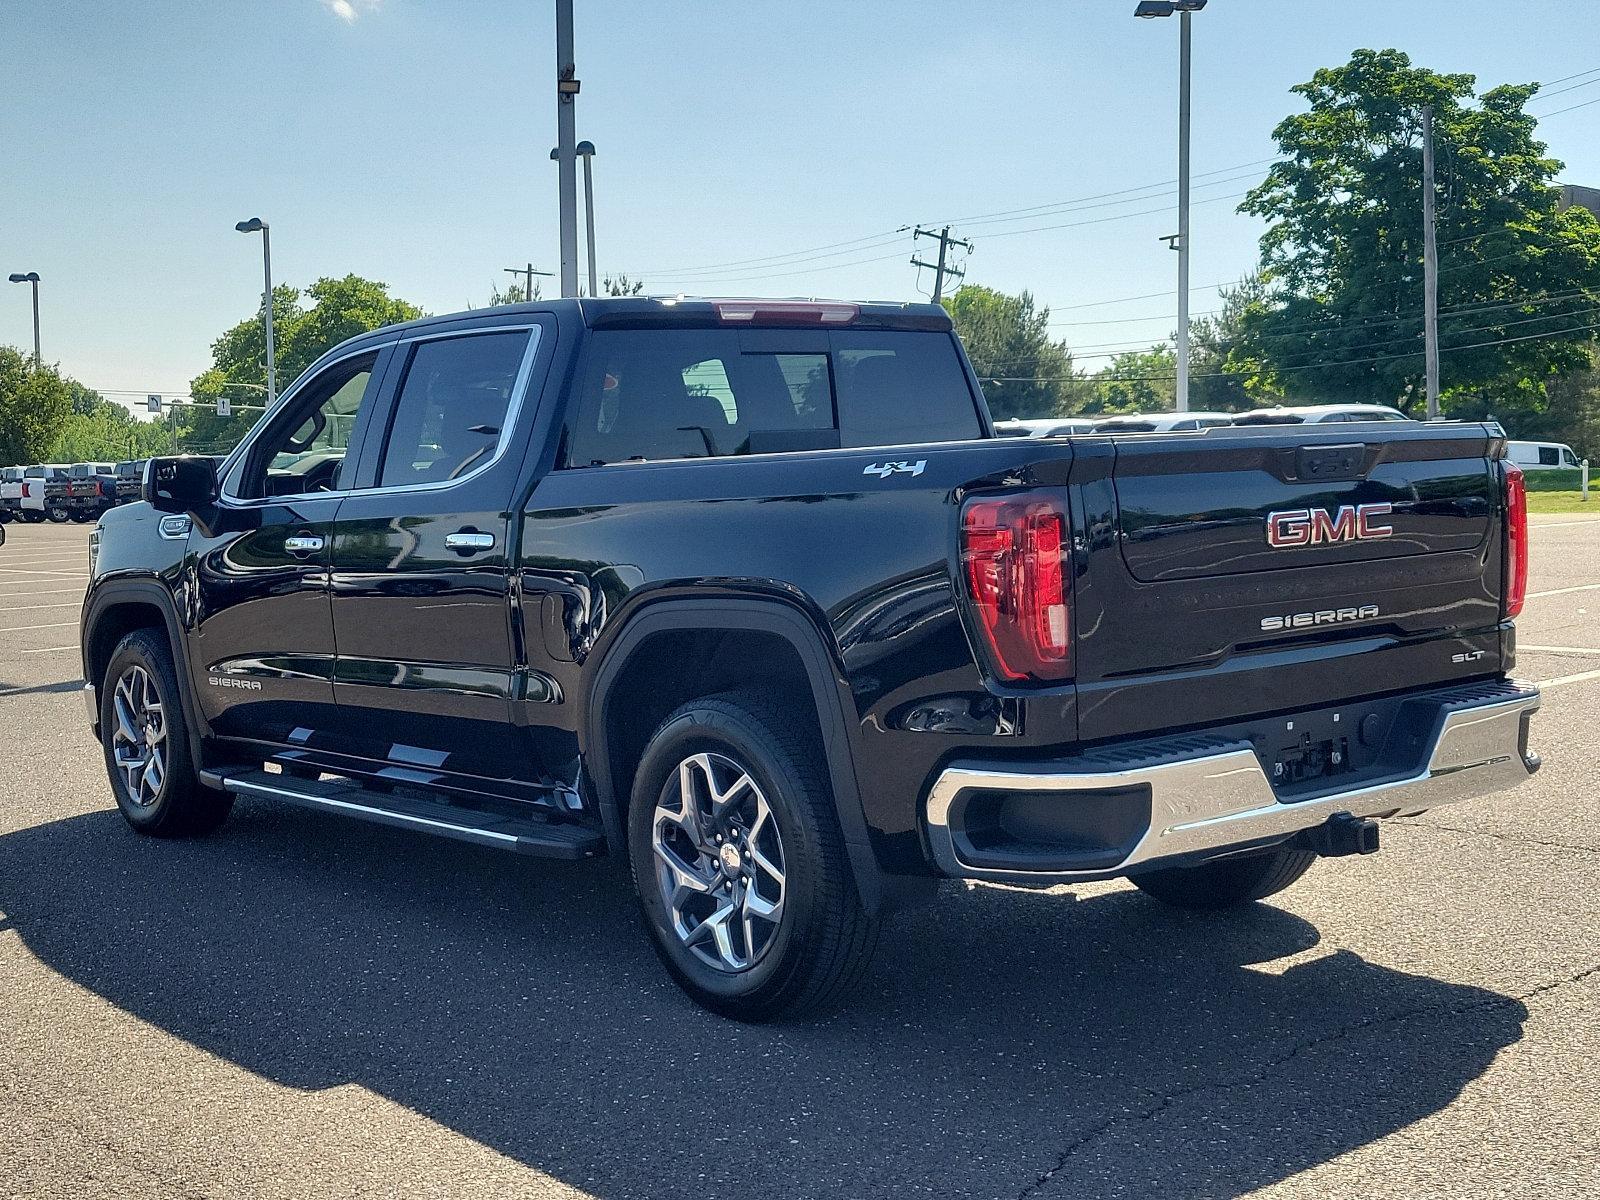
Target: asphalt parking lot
(300, 1006)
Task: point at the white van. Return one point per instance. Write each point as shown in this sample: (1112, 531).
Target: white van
(1543, 456)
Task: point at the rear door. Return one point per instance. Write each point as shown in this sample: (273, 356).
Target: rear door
(426, 670)
(1237, 572)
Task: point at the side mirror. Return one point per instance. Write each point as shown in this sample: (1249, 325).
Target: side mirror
(181, 484)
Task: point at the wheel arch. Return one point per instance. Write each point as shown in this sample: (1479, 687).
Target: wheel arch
(116, 608)
(723, 616)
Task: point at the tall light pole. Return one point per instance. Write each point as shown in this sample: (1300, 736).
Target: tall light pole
(585, 151)
(1165, 8)
(566, 133)
(33, 278)
(257, 225)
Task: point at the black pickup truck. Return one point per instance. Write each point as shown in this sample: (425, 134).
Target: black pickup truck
(749, 595)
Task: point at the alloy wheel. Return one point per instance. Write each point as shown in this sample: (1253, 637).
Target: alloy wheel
(719, 862)
(139, 736)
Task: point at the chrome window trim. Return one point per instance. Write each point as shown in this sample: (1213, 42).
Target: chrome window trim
(519, 387)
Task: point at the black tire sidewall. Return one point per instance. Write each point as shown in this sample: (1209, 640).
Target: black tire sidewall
(143, 649)
(720, 728)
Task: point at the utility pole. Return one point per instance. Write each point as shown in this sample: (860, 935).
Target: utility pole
(1183, 211)
(566, 135)
(528, 270)
(1430, 267)
(939, 269)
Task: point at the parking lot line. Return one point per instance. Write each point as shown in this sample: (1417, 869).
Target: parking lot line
(1582, 587)
(34, 607)
(50, 649)
(29, 628)
(1561, 649)
(1563, 680)
(27, 571)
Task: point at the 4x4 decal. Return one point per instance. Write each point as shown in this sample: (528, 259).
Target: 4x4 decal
(884, 470)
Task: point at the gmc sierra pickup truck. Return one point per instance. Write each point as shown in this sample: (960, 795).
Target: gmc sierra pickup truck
(748, 595)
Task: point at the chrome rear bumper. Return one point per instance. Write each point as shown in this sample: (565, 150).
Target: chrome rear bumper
(1208, 799)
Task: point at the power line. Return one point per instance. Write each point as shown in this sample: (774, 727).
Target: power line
(1564, 78)
(1569, 108)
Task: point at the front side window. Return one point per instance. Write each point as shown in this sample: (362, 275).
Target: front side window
(452, 407)
(302, 451)
(1571, 458)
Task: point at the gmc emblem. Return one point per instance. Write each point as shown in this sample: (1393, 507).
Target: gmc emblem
(1315, 526)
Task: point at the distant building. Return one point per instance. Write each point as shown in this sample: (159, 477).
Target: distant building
(1582, 197)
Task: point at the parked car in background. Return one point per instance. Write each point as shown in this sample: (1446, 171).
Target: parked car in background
(130, 476)
(44, 492)
(91, 490)
(1543, 456)
(1173, 422)
(1319, 414)
(1047, 427)
(10, 493)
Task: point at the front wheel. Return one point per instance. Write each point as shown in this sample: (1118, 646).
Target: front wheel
(146, 744)
(739, 863)
(1227, 882)
(57, 514)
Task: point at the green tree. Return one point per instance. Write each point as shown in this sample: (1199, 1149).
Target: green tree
(1224, 376)
(108, 433)
(1023, 371)
(339, 309)
(34, 405)
(1342, 255)
(1136, 381)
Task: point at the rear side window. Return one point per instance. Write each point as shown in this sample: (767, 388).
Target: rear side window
(452, 407)
(697, 393)
(1549, 456)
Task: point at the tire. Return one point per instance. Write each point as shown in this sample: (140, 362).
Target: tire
(57, 514)
(32, 516)
(1227, 883)
(176, 804)
(821, 940)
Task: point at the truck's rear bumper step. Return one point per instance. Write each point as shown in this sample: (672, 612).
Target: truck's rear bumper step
(1111, 812)
(531, 834)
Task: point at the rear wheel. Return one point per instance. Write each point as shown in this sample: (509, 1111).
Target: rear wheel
(739, 863)
(146, 744)
(1227, 882)
(57, 514)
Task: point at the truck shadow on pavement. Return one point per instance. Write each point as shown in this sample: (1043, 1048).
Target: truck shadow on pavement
(1006, 1044)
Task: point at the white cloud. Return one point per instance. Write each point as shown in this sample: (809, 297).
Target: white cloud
(348, 10)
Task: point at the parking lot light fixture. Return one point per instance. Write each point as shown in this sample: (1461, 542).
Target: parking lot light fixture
(257, 225)
(32, 277)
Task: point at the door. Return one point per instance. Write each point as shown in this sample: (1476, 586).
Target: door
(262, 648)
(427, 667)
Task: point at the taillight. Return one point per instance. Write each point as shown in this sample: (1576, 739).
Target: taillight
(1516, 540)
(1013, 556)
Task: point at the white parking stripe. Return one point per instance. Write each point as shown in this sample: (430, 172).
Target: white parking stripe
(30, 590)
(28, 628)
(1595, 520)
(36, 607)
(1562, 681)
(1582, 587)
(1559, 649)
(26, 571)
(49, 649)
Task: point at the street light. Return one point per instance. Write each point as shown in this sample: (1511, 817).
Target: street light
(33, 278)
(1180, 243)
(585, 151)
(257, 225)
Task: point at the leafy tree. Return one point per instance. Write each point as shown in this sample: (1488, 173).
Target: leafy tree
(1024, 373)
(34, 404)
(339, 309)
(108, 433)
(1342, 256)
(1136, 381)
(1224, 376)
(621, 286)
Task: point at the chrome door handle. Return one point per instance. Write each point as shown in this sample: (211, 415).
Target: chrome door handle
(468, 539)
(303, 543)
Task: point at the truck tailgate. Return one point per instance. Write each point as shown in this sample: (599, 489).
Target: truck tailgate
(1244, 571)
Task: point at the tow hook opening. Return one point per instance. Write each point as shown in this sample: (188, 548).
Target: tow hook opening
(1343, 834)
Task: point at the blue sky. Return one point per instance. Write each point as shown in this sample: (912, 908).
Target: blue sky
(408, 140)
